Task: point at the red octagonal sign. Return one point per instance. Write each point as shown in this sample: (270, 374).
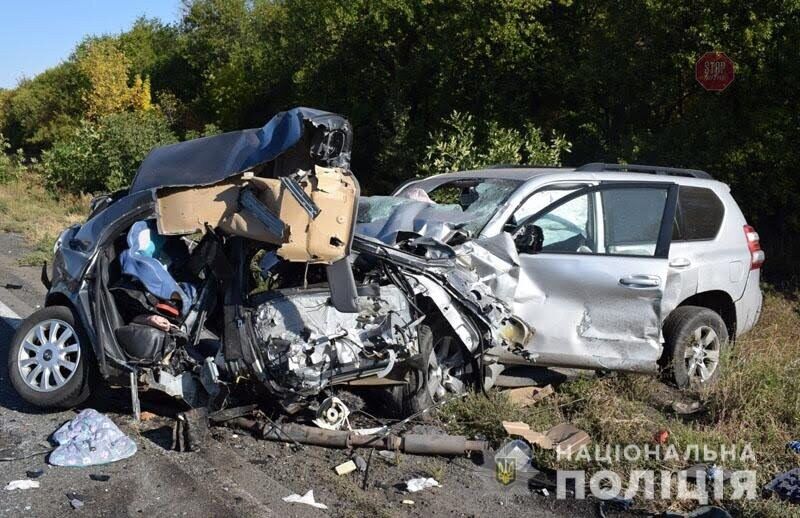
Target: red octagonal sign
(714, 71)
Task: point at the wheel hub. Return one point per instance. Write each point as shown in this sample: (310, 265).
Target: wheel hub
(49, 355)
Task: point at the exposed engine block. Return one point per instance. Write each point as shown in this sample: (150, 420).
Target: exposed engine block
(307, 343)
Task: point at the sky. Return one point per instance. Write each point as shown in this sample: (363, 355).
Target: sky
(38, 34)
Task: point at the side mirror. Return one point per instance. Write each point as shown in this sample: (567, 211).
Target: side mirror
(529, 239)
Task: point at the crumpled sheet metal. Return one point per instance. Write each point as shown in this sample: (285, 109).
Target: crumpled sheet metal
(90, 439)
(382, 217)
(496, 263)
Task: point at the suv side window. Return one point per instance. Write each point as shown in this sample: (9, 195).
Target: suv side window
(699, 214)
(611, 221)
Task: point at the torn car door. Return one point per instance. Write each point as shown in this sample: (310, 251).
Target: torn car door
(593, 291)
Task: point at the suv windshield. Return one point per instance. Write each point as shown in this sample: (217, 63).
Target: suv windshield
(465, 204)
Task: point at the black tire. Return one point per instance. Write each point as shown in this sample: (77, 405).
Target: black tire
(681, 359)
(413, 397)
(75, 389)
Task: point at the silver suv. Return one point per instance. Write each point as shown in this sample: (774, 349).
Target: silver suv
(621, 267)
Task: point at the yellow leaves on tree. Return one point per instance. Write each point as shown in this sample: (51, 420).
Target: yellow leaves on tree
(107, 69)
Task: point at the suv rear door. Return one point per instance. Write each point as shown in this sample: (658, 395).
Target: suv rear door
(593, 293)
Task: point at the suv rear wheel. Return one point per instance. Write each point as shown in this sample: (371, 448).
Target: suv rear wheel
(695, 338)
(49, 359)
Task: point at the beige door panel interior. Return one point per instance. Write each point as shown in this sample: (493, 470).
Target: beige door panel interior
(324, 239)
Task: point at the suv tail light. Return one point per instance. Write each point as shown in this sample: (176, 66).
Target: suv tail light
(753, 244)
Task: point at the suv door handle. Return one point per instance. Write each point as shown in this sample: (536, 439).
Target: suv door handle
(641, 281)
(680, 262)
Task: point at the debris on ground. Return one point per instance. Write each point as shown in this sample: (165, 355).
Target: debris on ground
(564, 437)
(794, 446)
(686, 408)
(418, 484)
(147, 416)
(13, 286)
(527, 396)
(615, 504)
(345, 468)
(34, 473)
(307, 499)
(785, 486)
(661, 436)
(696, 472)
(75, 500)
(332, 414)
(361, 464)
(90, 439)
(388, 455)
(706, 511)
(100, 478)
(22, 484)
(408, 502)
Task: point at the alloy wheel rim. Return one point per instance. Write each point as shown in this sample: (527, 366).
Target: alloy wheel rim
(702, 354)
(49, 355)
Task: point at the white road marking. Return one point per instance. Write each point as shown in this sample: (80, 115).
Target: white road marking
(8, 316)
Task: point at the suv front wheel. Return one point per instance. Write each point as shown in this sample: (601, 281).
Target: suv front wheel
(695, 338)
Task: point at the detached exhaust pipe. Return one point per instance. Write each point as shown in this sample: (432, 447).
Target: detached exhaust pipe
(416, 444)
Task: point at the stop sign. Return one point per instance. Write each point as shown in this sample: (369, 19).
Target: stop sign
(714, 71)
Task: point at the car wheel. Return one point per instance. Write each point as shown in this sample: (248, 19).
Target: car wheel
(49, 359)
(695, 338)
(444, 372)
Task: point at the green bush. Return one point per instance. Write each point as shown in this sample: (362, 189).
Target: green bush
(464, 145)
(104, 155)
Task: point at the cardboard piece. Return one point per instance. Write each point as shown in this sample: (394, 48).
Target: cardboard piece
(564, 438)
(345, 468)
(527, 396)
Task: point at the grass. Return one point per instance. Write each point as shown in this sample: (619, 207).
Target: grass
(756, 401)
(27, 208)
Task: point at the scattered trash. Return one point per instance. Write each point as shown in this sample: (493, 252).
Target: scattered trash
(704, 471)
(100, 478)
(388, 455)
(682, 408)
(307, 499)
(332, 414)
(564, 437)
(75, 500)
(545, 492)
(408, 502)
(90, 439)
(613, 504)
(785, 486)
(347, 467)
(34, 473)
(706, 511)
(13, 286)
(147, 416)
(794, 446)
(661, 437)
(418, 484)
(369, 431)
(361, 464)
(527, 396)
(22, 484)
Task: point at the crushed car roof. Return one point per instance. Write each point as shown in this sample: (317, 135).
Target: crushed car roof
(212, 159)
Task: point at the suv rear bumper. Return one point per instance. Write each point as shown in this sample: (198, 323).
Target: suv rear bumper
(748, 307)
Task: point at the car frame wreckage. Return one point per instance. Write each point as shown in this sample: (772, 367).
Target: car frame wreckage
(234, 263)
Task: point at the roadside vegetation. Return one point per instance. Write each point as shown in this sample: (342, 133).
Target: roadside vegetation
(755, 402)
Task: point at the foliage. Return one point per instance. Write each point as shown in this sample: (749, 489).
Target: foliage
(106, 69)
(104, 155)
(462, 145)
(7, 166)
(615, 79)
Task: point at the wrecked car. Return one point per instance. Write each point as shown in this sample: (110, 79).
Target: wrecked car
(231, 264)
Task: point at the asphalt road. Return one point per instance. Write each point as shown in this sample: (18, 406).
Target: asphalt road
(233, 475)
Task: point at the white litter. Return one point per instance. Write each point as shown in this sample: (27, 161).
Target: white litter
(22, 484)
(418, 484)
(307, 499)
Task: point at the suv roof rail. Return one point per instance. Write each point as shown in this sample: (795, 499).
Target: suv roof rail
(520, 166)
(649, 169)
